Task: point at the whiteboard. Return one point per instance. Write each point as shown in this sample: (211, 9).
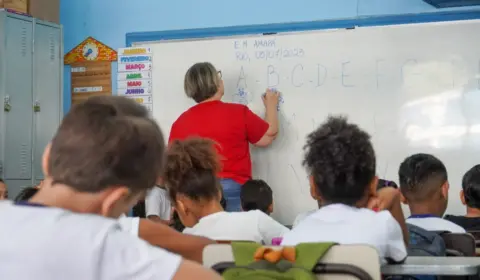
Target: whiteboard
(414, 88)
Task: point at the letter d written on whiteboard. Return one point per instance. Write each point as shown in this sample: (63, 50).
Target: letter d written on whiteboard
(273, 79)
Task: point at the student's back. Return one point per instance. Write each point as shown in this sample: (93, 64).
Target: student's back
(341, 162)
(104, 156)
(349, 225)
(240, 226)
(56, 244)
(191, 179)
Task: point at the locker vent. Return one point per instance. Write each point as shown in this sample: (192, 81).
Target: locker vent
(24, 41)
(23, 160)
(51, 40)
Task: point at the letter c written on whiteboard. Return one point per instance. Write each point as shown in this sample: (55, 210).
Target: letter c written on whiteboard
(297, 68)
(344, 75)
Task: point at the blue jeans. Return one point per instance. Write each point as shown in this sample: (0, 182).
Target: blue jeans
(231, 193)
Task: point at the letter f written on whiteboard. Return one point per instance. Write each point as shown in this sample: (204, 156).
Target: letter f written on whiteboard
(345, 75)
(273, 79)
(408, 72)
(298, 68)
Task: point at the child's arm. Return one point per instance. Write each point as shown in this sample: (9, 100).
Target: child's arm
(188, 246)
(389, 199)
(269, 228)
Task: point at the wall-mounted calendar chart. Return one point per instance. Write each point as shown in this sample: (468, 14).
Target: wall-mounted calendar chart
(134, 78)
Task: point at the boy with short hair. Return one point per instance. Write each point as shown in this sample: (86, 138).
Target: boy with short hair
(424, 186)
(101, 160)
(158, 207)
(257, 195)
(340, 159)
(470, 197)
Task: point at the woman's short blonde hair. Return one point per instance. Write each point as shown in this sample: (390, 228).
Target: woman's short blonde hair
(201, 81)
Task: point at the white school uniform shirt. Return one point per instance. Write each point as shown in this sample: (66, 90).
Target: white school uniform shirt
(432, 223)
(302, 216)
(349, 225)
(129, 224)
(241, 226)
(157, 203)
(46, 243)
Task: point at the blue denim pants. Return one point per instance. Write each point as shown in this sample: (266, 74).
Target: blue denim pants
(231, 193)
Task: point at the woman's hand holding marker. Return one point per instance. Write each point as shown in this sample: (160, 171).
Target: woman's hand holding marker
(271, 98)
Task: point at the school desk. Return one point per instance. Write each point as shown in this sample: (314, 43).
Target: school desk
(451, 266)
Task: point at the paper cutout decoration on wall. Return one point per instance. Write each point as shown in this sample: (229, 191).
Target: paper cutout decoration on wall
(90, 50)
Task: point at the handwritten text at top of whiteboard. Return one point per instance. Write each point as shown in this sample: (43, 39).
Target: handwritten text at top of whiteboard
(264, 49)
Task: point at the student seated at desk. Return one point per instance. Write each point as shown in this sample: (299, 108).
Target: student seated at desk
(470, 197)
(381, 184)
(340, 159)
(191, 179)
(100, 162)
(424, 186)
(257, 195)
(157, 205)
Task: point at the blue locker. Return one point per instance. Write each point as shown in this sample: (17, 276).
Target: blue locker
(31, 68)
(18, 95)
(47, 89)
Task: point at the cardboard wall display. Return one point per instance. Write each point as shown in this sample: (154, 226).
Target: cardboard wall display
(20, 6)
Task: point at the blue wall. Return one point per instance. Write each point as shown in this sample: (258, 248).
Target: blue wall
(109, 20)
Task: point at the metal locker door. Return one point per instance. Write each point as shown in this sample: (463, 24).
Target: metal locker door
(48, 67)
(18, 94)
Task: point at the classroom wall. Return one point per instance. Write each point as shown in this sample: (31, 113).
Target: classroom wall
(109, 20)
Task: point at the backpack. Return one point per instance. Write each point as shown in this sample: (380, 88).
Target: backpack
(423, 243)
(253, 261)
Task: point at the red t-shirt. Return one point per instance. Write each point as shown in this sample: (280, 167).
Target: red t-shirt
(231, 126)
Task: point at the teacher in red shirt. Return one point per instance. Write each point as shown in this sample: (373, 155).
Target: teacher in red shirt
(232, 126)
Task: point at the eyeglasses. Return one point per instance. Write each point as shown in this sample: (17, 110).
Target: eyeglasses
(219, 74)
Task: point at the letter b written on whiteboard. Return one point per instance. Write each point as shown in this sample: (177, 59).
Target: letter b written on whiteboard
(273, 79)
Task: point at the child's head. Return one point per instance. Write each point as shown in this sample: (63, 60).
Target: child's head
(3, 190)
(470, 193)
(257, 195)
(191, 178)
(424, 184)
(26, 194)
(341, 161)
(107, 149)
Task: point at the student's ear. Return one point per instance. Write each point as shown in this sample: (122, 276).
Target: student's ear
(445, 188)
(179, 206)
(118, 200)
(313, 189)
(373, 186)
(270, 208)
(403, 199)
(462, 197)
(45, 158)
